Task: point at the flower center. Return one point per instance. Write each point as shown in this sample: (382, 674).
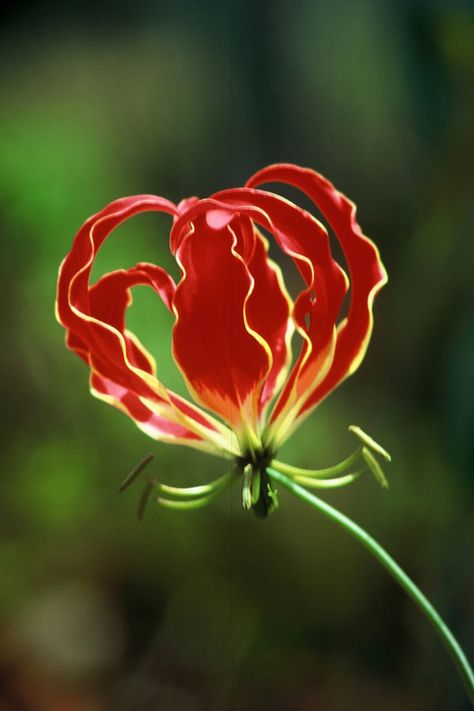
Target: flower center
(258, 493)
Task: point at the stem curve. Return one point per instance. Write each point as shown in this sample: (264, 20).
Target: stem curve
(454, 649)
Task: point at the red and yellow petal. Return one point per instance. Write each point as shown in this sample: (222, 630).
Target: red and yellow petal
(366, 270)
(156, 426)
(268, 307)
(316, 309)
(222, 359)
(234, 318)
(268, 311)
(110, 297)
(105, 343)
(95, 321)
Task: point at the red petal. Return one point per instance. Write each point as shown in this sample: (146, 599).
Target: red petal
(105, 343)
(268, 314)
(306, 242)
(110, 297)
(223, 361)
(95, 320)
(367, 272)
(155, 426)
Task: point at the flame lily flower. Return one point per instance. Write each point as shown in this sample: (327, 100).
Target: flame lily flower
(234, 322)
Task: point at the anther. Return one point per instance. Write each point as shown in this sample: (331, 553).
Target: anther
(136, 471)
(144, 498)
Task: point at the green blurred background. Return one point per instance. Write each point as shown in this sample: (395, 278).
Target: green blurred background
(214, 609)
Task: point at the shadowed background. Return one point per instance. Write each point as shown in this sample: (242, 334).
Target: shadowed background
(214, 609)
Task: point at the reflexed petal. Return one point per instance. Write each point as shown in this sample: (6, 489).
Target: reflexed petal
(110, 297)
(223, 360)
(95, 320)
(157, 427)
(268, 313)
(315, 311)
(234, 318)
(105, 343)
(366, 270)
(267, 307)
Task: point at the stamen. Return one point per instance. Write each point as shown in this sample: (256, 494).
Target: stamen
(374, 467)
(195, 491)
(191, 497)
(328, 483)
(197, 503)
(144, 498)
(255, 486)
(135, 473)
(247, 487)
(369, 442)
(318, 473)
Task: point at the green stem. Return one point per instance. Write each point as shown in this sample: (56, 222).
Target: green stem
(450, 642)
